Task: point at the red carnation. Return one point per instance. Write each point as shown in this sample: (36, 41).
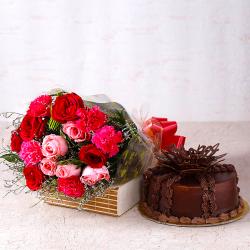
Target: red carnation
(34, 177)
(96, 119)
(32, 127)
(71, 186)
(65, 107)
(40, 107)
(92, 156)
(91, 119)
(16, 141)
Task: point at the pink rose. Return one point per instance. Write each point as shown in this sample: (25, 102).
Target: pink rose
(48, 166)
(74, 132)
(54, 145)
(91, 176)
(65, 171)
(107, 139)
(31, 152)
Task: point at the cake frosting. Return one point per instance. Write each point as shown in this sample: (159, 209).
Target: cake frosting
(191, 187)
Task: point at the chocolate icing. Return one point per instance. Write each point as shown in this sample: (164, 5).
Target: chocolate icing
(188, 221)
(203, 195)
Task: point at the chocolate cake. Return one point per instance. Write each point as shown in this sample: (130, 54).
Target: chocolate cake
(191, 187)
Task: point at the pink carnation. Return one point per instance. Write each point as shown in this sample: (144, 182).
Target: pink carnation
(40, 107)
(91, 176)
(31, 152)
(107, 139)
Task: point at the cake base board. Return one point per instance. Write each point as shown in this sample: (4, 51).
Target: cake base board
(237, 217)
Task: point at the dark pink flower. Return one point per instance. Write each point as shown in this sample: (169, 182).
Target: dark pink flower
(40, 107)
(31, 152)
(107, 139)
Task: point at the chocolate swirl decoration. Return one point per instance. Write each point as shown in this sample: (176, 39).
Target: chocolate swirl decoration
(192, 161)
(198, 162)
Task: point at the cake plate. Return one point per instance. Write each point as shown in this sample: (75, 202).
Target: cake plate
(239, 216)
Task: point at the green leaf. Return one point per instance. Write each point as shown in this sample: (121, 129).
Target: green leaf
(11, 158)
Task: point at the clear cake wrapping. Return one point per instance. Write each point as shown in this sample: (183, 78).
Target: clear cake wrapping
(84, 153)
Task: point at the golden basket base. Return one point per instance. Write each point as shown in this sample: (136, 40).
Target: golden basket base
(237, 217)
(104, 205)
(116, 200)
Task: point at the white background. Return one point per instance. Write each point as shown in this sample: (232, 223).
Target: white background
(188, 60)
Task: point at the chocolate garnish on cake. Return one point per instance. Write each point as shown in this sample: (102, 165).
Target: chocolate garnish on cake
(191, 187)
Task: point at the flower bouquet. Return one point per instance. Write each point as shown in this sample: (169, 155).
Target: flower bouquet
(72, 151)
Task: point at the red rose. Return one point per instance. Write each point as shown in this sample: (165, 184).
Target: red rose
(92, 156)
(40, 107)
(65, 107)
(71, 186)
(16, 142)
(34, 177)
(32, 127)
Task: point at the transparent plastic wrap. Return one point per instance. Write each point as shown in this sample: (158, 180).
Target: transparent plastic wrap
(137, 154)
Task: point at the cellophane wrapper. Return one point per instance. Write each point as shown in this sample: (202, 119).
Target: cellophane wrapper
(137, 155)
